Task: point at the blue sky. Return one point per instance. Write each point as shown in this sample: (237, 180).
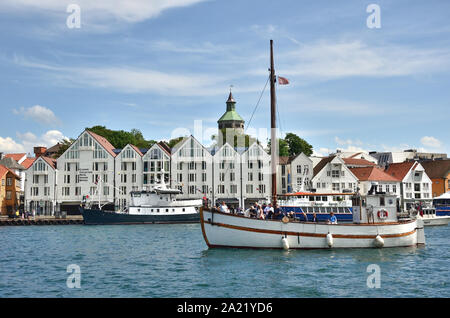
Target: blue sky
(160, 66)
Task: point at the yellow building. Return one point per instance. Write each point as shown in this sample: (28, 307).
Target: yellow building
(9, 191)
(439, 173)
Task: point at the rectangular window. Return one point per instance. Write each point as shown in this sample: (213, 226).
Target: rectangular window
(8, 181)
(8, 195)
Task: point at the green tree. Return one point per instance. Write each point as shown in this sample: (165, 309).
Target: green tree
(297, 145)
(120, 138)
(172, 142)
(283, 148)
(64, 145)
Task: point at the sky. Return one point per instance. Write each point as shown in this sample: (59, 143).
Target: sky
(166, 68)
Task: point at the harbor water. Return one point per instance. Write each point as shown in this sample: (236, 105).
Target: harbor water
(174, 261)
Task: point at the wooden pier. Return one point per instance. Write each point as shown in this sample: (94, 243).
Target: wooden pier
(42, 220)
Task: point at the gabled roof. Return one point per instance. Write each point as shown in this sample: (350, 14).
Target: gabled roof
(136, 149)
(436, 169)
(371, 174)
(15, 156)
(4, 170)
(50, 161)
(358, 162)
(164, 146)
(10, 163)
(400, 170)
(322, 163)
(28, 162)
(183, 141)
(103, 142)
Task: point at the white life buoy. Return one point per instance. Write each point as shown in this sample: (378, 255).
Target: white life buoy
(382, 214)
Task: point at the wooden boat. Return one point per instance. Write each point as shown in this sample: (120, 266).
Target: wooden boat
(374, 217)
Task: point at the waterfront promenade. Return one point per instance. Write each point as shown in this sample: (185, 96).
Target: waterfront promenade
(42, 220)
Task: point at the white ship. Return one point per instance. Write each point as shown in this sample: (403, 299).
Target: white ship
(374, 215)
(148, 207)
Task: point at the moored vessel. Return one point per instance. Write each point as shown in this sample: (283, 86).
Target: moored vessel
(148, 207)
(374, 219)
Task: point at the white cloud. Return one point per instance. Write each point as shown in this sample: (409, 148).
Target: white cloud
(129, 11)
(26, 141)
(134, 80)
(342, 142)
(8, 145)
(321, 152)
(327, 59)
(429, 141)
(38, 113)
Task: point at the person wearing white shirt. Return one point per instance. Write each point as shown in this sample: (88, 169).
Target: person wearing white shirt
(224, 208)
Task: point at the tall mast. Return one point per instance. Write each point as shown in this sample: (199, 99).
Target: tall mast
(273, 127)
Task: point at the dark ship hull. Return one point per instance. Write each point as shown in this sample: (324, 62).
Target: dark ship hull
(96, 217)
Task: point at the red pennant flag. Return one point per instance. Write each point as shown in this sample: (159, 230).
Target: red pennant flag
(282, 80)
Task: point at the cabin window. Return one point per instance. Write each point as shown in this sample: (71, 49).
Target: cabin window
(167, 210)
(184, 210)
(157, 210)
(382, 203)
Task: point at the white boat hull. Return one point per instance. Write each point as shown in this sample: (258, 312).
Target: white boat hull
(437, 220)
(227, 230)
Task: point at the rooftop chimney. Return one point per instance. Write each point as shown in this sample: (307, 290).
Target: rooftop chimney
(39, 151)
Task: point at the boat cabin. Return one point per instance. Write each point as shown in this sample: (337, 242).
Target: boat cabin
(375, 208)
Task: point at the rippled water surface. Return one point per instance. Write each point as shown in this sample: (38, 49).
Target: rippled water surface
(174, 261)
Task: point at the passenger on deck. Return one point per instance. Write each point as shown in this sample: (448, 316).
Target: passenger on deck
(268, 211)
(314, 217)
(278, 213)
(253, 212)
(332, 219)
(224, 208)
(305, 217)
(260, 212)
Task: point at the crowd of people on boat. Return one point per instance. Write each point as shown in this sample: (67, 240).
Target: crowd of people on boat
(269, 212)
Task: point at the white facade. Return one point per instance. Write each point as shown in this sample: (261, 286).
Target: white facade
(416, 186)
(256, 174)
(128, 167)
(85, 167)
(40, 187)
(301, 174)
(334, 177)
(156, 166)
(227, 175)
(191, 169)
(91, 169)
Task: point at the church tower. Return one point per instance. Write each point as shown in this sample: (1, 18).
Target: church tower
(231, 119)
